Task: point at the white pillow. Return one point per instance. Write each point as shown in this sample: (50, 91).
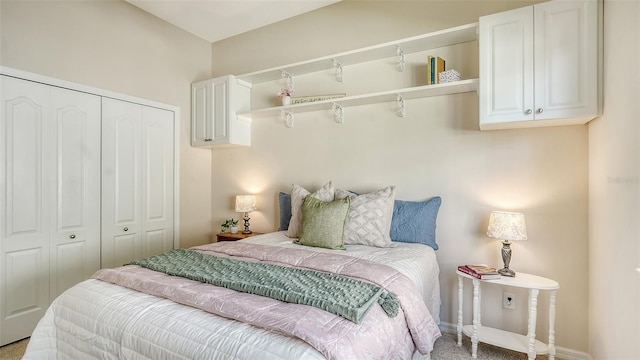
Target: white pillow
(369, 218)
(298, 193)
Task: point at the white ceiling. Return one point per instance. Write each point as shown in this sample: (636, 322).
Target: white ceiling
(215, 20)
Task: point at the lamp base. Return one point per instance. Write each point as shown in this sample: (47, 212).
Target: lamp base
(246, 224)
(507, 272)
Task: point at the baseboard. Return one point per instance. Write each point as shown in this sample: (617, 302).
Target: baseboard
(561, 353)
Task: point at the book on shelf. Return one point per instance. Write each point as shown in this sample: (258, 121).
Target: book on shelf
(429, 77)
(435, 65)
(482, 272)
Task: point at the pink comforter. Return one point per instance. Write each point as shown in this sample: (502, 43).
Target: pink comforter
(376, 337)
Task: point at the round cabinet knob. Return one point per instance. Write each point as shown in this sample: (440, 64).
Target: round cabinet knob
(527, 112)
(539, 111)
(72, 236)
(126, 229)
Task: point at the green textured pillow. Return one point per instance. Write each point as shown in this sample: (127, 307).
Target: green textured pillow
(323, 223)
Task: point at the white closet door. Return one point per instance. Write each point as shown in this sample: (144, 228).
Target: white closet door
(137, 181)
(157, 181)
(50, 196)
(74, 161)
(121, 170)
(24, 233)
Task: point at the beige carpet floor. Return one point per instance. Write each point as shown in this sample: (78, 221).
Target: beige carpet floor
(445, 349)
(13, 351)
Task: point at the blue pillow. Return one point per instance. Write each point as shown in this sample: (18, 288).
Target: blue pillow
(285, 210)
(415, 221)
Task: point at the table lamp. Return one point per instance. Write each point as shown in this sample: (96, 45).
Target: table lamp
(245, 204)
(507, 226)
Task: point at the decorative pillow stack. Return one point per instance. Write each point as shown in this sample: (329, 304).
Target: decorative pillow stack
(369, 218)
(374, 219)
(298, 194)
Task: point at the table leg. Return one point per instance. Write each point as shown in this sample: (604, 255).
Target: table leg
(533, 312)
(460, 296)
(552, 325)
(476, 318)
(479, 304)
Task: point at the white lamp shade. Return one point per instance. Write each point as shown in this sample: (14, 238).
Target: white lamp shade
(507, 226)
(245, 203)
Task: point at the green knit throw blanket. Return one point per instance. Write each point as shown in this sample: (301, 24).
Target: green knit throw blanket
(340, 295)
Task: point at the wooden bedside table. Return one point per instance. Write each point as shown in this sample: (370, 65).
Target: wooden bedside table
(234, 237)
(505, 339)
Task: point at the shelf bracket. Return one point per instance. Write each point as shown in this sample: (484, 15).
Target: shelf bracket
(287, 117)
(288, 79)
(338, 113)
(401, 60)
(401, 107)
(339, 72)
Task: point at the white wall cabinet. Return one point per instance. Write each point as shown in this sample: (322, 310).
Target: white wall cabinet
(215, 105)
(137, 181)
(77, 168)
(50, 188)
(539, 65)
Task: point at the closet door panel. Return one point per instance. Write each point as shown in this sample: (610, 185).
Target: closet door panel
(75, 220)
(121, 171)
(24, 238)
(157, 181)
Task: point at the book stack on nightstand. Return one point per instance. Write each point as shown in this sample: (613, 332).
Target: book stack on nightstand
(234, 237)
(482, 272)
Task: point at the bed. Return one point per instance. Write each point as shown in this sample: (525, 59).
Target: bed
(136, 313)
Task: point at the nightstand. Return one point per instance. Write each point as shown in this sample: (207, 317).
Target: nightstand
(234, 237)
(505, 339)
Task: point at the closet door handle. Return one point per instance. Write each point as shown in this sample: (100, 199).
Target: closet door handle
(126, 228)
(527, 112)
(539, 111)
(208, 139)
(72, 236)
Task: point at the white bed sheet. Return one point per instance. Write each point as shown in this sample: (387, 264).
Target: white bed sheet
(95, 319)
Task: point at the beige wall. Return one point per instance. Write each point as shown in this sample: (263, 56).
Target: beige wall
(115, 46)
(614, 192)
(436, 150)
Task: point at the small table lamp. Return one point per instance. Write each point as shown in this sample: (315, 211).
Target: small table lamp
(507, 226)
(245, 204)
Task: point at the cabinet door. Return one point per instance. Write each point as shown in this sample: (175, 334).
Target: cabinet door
(566, 56)
(137, 182)
(24, 206)
(121, 172)
(220, 88)
(506, 67)
(201, 116)
(74, 165)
